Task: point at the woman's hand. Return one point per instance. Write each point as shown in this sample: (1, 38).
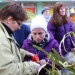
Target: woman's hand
(41, 62)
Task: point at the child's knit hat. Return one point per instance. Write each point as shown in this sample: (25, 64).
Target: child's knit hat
(38, 22)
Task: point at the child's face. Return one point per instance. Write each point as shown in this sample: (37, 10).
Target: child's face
(38, 34)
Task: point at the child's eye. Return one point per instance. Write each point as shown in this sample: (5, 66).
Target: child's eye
(39, 33)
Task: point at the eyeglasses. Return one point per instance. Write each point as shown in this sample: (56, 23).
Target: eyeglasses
(18, 23)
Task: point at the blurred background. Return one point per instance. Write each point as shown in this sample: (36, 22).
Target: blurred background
(34, 7)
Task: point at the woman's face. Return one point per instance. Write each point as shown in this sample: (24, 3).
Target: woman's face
(62, 11)
(38, 34)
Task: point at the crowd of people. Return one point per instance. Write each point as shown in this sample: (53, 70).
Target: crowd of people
(17, 39)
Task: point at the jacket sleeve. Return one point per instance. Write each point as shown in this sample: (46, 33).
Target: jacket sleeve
(71, 29)
(51, 28)
(24, 45)
(23, 53)
(9, 66)
(56, 47)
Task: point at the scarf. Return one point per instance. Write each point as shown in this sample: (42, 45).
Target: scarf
(42, 43)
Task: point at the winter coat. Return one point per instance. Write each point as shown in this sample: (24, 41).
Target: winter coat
(51, 43)
(11, 56)
(58, 33)
(22, 34)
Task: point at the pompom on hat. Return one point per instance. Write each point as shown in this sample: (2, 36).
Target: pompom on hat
(38, 22)
(44, 9)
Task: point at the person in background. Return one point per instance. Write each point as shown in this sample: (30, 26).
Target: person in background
(72, 14)
(11, 56)
(39, 36)
(45, 13)
(22, 34)
(72, 17)
(59, 25)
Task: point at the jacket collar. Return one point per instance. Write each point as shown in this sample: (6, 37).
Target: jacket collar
(10, 37)
(5, 31)
(8, 29)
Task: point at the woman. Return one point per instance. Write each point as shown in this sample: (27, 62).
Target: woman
(60, 24)
(40, 37)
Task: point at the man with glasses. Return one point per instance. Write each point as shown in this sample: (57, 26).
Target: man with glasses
(18, 23)
(11, 56)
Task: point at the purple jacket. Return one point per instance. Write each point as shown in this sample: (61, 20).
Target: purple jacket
(58, 33)
(51, 43)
